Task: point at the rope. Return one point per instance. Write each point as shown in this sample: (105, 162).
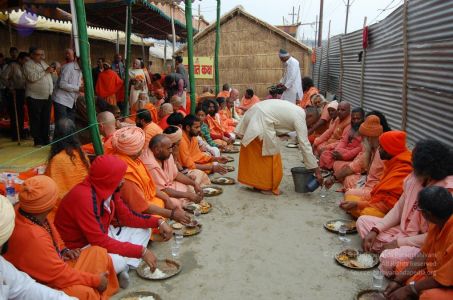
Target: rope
(5, 165)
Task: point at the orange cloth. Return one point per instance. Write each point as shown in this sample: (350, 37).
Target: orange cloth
(331, 137)
(151, 130)
(261, 172)
(439, 262)
(223, 94)
(33, 250)
(163, 122)
(144, 193)
(306, 99)
(214, 126)
(246, 104)
(66, 172)
(226, 121)
(39, 194)
(190, 154)
(393, 142)
(108, 84)
(153, 111)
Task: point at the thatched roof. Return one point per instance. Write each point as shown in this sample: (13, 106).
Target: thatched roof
(239, 10)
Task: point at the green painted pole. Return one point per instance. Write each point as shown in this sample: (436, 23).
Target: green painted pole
(87, 76)
(189, 28)
(128, 57)
(217, 49)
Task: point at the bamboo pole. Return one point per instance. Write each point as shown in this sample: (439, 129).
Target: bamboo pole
(173, 35)
(405, 65)
(87, 75)
(327, 59)
(188, 11)
(217, 49)
(128, 57)
(362, 73)
(341, 70)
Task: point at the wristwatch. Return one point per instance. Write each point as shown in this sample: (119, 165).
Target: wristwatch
(412, 286)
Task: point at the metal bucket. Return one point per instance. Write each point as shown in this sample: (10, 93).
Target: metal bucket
(301, 177)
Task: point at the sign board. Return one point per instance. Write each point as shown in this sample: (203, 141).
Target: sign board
(203, 66)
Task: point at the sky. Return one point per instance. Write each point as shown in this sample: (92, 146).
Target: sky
(273, 11)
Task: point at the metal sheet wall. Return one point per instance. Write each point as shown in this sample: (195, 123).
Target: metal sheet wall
(430, 69)
(430, 73)
(383, 75)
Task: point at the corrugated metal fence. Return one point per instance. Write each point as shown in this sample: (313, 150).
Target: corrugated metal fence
(408, 69)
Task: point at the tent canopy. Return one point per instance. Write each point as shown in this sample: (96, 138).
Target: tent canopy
(148, 19)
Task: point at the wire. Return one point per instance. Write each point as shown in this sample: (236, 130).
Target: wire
(385, 9)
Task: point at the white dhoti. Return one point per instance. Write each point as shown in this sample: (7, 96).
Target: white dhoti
(136, 236)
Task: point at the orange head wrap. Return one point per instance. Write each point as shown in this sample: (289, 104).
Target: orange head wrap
(39, 194)
(371, 127)
(128, 140)
(393, 142)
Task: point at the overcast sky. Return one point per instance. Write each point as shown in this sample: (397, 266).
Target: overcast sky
(273, 11)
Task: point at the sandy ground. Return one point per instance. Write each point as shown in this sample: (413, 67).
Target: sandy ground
(262, 247)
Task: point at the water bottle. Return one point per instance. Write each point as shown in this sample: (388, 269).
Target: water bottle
(10, 190)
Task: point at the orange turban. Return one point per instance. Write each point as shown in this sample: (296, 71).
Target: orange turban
(175, 136)
(39, 194)
(393, 142)
(128, 140)
(371, 127)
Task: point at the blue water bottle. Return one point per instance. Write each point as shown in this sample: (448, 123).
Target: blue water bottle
(10, 190)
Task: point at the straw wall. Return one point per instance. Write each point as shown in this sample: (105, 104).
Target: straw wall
(248, 55)
(54, 44)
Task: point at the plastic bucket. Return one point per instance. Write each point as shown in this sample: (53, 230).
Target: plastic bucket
(301, 178)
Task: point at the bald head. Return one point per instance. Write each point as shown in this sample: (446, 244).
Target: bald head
(166, 109)
(176, 101)
(106, 122)
(234, 94)
(161, 146)
(344, 110)
(311, 115)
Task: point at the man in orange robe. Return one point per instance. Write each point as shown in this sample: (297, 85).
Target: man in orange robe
(309, 90)
(139, 191)
(145, 121)
(397, 166)
(108, 84)
(332, 136)
(247, 101)
(36, 248)
(190, 156)
(429, 275)
(226, 120)
(217, 131)
(225, 93)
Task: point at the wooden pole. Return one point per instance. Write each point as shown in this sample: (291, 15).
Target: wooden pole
(199, 18)
(10, 33)
(188, 10)
(128, 57)
(327, 59)
(362, 73)
(321, 10)
(117, 42)
(217, 50)
(316, 32)
(87, 76)
(347, 17)
(405, 65)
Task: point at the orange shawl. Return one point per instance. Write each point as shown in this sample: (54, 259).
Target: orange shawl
(214, 126)
(389, 189)
(226, 121)
(306, 99)
(190, 154)
(108, 84)
(138, 174)
(248, 103)
(223, 94)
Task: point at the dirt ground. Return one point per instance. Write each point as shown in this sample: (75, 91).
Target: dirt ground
(261, 247)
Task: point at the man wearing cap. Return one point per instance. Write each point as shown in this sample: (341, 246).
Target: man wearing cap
(161, 165)
(349, 146)
(260, 164)
(36, 248)
(108, 84)
(399, 235)
(16, 284)
(291, 81)
(397, 166)
(139, 191)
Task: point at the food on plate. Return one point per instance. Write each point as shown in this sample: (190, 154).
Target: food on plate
(177, 226)
(157, 274)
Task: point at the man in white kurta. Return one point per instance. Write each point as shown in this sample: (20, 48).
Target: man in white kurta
(291, 81)
(259, 128)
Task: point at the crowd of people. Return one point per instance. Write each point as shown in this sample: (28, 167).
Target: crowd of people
(79, 228)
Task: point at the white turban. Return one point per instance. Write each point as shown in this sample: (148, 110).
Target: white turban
(7, 216)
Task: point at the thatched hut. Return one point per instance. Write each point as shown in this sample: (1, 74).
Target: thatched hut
(248, 52)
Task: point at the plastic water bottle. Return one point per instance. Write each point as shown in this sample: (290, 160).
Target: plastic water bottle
(10, 190)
